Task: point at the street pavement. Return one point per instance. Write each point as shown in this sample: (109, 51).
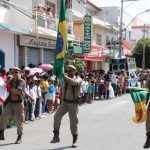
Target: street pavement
(103, 125)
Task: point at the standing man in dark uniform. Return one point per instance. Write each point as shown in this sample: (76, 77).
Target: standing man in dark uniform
(15, 105)
(70, 104)
(147, 143)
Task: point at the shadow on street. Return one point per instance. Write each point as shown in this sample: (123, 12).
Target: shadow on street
(7, 144)
(61, 148)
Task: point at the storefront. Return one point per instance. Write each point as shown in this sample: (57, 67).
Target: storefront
(94, 59)
(34, 50)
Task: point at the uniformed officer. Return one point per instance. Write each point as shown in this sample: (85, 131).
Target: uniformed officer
(147, 143)
(69, 104)
(15, 105)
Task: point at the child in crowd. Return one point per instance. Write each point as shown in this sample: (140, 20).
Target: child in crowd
(50, 96)
(103, 87)
(90, 91)
(27, 99)
(111, 91)
(39, 99)
(32, 102)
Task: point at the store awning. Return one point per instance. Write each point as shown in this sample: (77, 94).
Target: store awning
(96, 53)
(13, 29)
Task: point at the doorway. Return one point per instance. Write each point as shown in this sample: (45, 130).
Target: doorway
(2, 59)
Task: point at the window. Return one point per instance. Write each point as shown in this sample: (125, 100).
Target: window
(107, 39)
(52, 6)
(98, 39)
(2, 59)
(5, 3)
(69, 4)
(112, 40)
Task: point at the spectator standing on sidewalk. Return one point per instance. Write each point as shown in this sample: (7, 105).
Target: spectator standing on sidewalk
(32, 102)
(50, 96)
(44, 88)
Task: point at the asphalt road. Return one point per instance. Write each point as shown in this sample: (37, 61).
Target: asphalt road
(103, 125)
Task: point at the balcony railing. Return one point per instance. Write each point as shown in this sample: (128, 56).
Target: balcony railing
(76, 42)
(45, 21)
(48, 22)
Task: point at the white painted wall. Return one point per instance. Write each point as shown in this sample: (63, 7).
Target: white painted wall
(104, 33)
(105, 66)
(110, 14)
(13, 17)
(137, 34)
(7, 46)
(99, 31)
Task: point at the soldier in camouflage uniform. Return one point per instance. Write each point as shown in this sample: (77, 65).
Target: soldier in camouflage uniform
(70, 104)
(15, 105)
(147, 143)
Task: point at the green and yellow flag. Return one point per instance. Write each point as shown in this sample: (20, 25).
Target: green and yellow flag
(139, 96)
(61, 43)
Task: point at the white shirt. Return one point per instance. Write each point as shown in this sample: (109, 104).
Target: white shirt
(83, 86)
(32, 92)
(113, 79)
(38, 91)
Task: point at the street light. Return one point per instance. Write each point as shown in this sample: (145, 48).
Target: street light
(121, 21)
(147, 10)
(143, 54)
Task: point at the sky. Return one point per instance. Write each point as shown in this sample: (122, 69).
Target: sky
(131, 8)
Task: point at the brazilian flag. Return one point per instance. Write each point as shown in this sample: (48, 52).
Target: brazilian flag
(61, 43)
(139, 97)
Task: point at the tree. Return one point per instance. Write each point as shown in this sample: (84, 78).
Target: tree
(79, 64)
(138, 52)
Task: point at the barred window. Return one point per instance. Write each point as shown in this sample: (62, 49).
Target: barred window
(98, 39)
(3, 3)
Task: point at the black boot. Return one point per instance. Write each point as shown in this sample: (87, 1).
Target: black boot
(19, 140)
(56, 137)
(74, 144)
(147, 143)
(2, 135)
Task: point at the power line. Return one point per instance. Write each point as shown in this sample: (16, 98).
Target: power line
(129, 5)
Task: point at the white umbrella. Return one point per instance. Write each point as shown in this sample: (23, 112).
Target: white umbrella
(35, 70)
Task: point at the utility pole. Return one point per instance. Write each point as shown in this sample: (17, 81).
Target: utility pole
(143, 58)
(120, 35)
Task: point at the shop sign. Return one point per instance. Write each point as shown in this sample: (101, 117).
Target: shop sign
(96, 53)
(87, 34)
(37, 42)
(75, 49)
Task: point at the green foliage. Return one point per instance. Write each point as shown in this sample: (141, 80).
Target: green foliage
(138, 52)
(79, 64)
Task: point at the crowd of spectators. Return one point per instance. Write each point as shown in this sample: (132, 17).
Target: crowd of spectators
(43, 93)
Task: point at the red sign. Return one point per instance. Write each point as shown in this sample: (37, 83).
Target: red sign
(126, 44)
(127, 48)
(96, 53)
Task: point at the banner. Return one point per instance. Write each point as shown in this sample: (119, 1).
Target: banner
(87, 34)
(96, 53)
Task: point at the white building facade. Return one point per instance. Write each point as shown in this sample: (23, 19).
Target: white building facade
(10, 27)
(28, 32)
